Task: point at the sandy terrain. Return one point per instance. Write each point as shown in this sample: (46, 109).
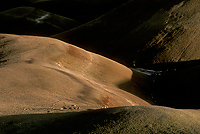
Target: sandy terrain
(77, 84)
(49, 86)
(42, 73)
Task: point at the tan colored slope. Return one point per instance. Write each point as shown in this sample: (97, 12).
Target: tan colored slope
(40, 73)
(123, 120)
(145, 32)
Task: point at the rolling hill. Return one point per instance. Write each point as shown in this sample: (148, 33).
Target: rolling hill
(142, 32)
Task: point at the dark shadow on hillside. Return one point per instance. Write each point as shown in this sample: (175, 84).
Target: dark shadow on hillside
(179, 88)
(80, 10)
(71, 122)
(59, 123)
(139, 85)
(176, 86)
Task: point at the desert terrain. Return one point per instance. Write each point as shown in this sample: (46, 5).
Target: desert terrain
(93, 66)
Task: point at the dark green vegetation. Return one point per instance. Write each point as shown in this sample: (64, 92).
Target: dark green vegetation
(138, 119)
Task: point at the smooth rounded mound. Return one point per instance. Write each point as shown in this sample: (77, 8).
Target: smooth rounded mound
(41, 72)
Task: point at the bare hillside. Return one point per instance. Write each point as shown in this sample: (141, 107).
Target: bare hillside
(144, 32)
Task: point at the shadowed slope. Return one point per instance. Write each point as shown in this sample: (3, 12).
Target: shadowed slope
(29, 20)
(80, 10)
(145, 32)
(137, 120)
(181, 86)
(41, 72)
(179, 40)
